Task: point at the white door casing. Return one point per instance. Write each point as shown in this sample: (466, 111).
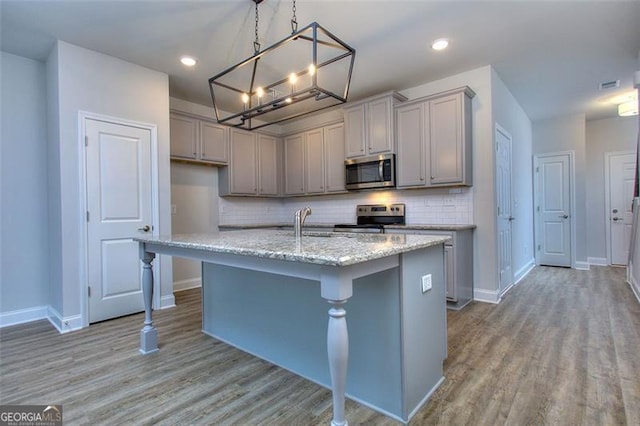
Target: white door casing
(554, 173)
(504, 209)
(619, 180)
(119, 207)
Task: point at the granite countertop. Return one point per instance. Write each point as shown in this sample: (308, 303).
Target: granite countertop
(425, 227)
(323, 248)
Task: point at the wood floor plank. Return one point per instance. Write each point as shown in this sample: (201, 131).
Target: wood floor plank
(563, 348)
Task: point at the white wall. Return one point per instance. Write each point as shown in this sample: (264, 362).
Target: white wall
(567, 133)
(485, 238)
(606, 135)
(24, 266)
(512, 118)
(194, 195)
(83, 80)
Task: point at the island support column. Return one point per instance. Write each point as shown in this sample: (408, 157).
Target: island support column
(148, 334)
(337, 288)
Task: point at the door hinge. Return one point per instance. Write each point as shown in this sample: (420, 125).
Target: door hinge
(87, 215)
(89, 291)
(86, 141)
(538, 247)
(538, 208)
(537, 169)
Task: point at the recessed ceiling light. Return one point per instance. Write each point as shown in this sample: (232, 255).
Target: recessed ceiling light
(440, 44)
(188, 61)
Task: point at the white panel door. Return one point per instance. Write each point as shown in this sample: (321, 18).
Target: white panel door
(554, 207)
(621, 178)
(119, 201)
(503, 195)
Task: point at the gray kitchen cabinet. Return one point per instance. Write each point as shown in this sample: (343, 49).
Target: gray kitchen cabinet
(369, 125)
(183, 133)
(334, 170)
(267, 165)
(434, 140)
(253, 165)
(195, 140)
(458, 263)
(314, 161)
(213, 142)
(294, 162)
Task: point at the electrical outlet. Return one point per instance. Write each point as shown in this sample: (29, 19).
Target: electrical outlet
(449, 200)
(426, 283)
(173, 209)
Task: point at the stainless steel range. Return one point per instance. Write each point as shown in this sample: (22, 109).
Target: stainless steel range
(371, 218)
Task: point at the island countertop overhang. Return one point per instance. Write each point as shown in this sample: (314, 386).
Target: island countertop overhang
(321, 248)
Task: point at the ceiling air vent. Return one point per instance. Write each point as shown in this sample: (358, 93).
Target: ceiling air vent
(609, 84)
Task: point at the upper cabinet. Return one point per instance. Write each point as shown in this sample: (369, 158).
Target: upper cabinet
(434, 140)
(198, 140)
(369, 125)
(253, 165)
(314, 161)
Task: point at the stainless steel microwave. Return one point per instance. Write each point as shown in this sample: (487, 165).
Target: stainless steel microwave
(371, 172)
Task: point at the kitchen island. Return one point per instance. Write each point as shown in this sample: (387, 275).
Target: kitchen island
(260, 293)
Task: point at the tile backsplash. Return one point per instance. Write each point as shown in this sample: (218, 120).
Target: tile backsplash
(426, 206)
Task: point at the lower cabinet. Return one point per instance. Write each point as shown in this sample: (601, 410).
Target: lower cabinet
(253, 165)
(314, 161)
(458, 263)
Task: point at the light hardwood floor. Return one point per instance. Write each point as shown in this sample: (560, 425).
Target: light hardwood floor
(563, 348)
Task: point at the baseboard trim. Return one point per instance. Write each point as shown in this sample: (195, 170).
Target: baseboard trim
(524, 271)
(168, 301)
(21, 316)
(597, 261)
(634, 286)
(489, 296)
(64, 324)
(187, 284)
(582, 266)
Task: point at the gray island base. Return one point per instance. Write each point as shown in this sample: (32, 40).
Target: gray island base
(263, 292)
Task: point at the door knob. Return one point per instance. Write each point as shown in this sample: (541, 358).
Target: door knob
(616, 219)
(145, 228)
(564, 216)
(511, 218)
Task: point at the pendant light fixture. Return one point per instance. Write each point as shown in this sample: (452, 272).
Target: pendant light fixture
(307, 71)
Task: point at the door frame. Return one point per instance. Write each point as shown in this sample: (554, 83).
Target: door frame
(83, 204)
(572, 201)
(502, 289)
(607, 201)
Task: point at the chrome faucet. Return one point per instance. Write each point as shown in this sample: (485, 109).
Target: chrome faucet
(299, 219)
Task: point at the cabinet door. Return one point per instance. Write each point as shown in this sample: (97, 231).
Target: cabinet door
(294, 164)
(183, 135)
(379, 131)
(445, 131)
(213, 142)
(242, 167)
(354, 125)
(267, 165)
(449, 271)
(411, 158)
(315, 161)
(334, 158)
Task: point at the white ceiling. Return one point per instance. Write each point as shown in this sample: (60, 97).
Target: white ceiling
(551, 54)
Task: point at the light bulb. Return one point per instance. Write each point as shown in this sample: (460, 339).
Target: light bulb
(440, 44)
(288, 100)
(245, 98)
(293, 77)
(188, 61)
(260, 92)
(312, 69)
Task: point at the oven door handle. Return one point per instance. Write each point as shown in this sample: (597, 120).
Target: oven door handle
(381, 170)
